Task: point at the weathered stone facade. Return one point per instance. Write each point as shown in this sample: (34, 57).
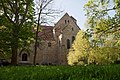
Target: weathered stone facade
(55, 44)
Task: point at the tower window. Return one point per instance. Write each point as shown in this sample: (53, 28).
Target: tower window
(68, 21)
(68, 44)
(65, 22)
(24, 57)
(49, 44)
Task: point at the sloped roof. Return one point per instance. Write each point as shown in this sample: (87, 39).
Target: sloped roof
(46, 33)
(58, 31)
(66, 14)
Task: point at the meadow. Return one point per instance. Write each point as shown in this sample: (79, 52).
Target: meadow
(91, 72)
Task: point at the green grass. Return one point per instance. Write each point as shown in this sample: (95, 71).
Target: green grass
(91, 72)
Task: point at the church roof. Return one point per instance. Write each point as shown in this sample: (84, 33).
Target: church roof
(74, 20)
(46, 33)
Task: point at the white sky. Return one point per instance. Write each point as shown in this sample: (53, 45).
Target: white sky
(73, 8)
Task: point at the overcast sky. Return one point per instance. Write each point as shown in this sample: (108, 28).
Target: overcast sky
(73, 8)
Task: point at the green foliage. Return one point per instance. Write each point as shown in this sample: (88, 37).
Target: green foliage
(91, 72)
(5, 37)
(89, 52)
(103, 17)
(104, 22)
(103, 55)
(80, 50)
(15, 25)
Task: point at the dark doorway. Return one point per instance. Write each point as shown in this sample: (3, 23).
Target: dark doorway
(24, 57)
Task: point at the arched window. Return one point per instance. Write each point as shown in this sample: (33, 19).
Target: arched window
(73, 38)
(24, 57)
(68, 44)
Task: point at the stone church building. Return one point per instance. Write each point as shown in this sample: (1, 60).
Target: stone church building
(55, 44)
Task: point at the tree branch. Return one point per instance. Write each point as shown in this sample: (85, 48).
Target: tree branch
(114, 8)
(47, 4)
(5, 12)
(26, 10)
(11, 5)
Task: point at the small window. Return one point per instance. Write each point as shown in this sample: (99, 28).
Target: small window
(68, 21)
(49, 44)
(65, 22)
(68, 44)
(73, 38)
(72, 29)
(24, 57)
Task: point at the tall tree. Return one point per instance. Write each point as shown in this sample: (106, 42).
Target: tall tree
(45, 14)
(19, 15)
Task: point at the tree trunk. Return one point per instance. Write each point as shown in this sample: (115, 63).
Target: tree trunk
(36, 45)
(34, 61)
(36, 35)
(14, 56)
(14, 45)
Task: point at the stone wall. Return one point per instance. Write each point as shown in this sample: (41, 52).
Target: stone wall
(56, 53)
(68, 29)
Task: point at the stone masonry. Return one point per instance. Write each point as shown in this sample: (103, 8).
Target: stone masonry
(55, 44)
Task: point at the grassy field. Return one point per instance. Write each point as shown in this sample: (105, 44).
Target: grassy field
(91, 72)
